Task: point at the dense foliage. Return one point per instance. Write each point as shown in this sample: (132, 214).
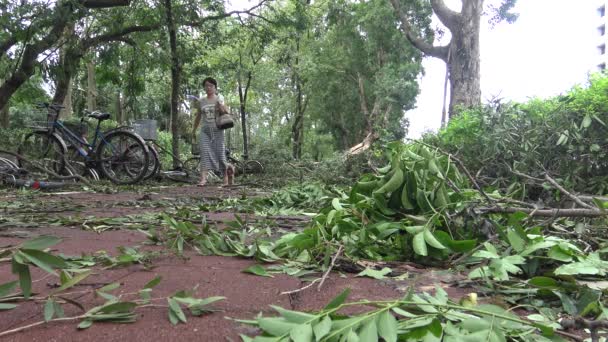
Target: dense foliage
(564, 137)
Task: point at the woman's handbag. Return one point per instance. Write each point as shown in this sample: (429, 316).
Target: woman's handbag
(223, 118)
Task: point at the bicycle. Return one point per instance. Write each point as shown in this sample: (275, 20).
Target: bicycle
(120, 156)
(12, 174)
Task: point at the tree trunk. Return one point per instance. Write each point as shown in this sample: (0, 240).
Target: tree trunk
(462, 52)
(243, 107)
(67, 110)
(119, 112)
(4, 117)
(464, 61)
(26, 68)
(297, 127)
(175, 81)
(91, 87)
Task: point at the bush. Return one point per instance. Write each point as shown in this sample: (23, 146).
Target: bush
(565, 136)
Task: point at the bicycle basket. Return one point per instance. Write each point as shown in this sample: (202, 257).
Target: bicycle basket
(43, 119)
(145, 128)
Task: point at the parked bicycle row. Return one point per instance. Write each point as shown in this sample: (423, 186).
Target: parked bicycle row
(124, 155)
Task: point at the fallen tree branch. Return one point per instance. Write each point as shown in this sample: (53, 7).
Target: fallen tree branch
(581, 323)
(565, 192)
(43, 169)
(547, 212)
(333, 262)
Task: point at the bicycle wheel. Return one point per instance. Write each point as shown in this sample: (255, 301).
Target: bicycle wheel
(153, 162)
(253, 166)
(122, 157)
(44, 148)
(192, 167)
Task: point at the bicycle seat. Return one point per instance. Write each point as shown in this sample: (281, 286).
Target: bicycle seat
(99, 116)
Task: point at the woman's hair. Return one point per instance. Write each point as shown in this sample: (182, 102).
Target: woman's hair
(210, 80)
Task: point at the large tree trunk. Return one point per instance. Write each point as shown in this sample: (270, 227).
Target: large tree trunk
(91, 87)
(119, 112)
(297, 126)
(175, 81)
(461, 54)
(4, 117)
(464, 61)
(68, 109)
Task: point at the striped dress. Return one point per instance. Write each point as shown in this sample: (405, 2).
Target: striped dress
(211, 143)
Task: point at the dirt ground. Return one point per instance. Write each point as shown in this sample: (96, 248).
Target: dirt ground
(246, 295)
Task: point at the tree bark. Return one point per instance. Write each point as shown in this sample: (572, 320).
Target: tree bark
(26, 68)
(68, 109)
(243, 107)
(297, 127)
(119, 112)
(461, 54)
(4, 117)
(91, 87)
(175, 81)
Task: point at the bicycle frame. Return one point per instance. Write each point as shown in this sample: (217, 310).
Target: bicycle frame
(77, 141)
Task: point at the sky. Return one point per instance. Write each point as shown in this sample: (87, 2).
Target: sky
(550, 48)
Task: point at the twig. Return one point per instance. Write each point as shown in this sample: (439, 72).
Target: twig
(302, 288)
(8, 332)
(581, 323)
(469, 253)
(333, 262)
(547, 212)
(565, 192)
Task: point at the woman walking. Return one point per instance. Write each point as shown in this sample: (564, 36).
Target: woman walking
(211, 141)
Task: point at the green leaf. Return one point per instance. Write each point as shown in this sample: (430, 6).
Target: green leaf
(544, 282)
(7, 288)
(586, 121)
(301, 333)
(109, 287)
(49, 309)
(336, 204)
(43, 260)
(393, 183)
(176, 309)
(41, 242)
(369, 272)
(516, 241)
(276, 326)
(431, 240)
(85, 324)
(25, 279)
(294, 316)
(387, 326)
(369, 331)
(153, 282)
(75, 280)
(420, 244)
(257, 270)
(338, 300)
(322, 328)
(120, 307)
(4, 306)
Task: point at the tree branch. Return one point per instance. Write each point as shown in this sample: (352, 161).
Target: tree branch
(227, 14)
(571, 196)
(448, 17)
(547, 212)
(440, 52)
